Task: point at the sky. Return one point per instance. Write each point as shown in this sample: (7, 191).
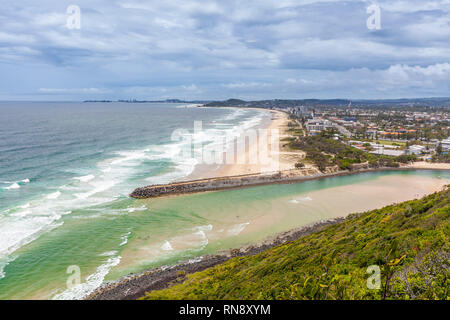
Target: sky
(215, 50)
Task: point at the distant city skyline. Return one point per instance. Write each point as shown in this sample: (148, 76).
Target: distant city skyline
(215, 50)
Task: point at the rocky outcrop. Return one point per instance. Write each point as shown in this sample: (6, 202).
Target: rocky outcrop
(360, 166)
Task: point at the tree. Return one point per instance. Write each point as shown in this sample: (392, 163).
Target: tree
(299, 165)
(439, 149)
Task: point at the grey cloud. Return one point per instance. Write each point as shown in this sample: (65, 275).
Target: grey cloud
(223, 47)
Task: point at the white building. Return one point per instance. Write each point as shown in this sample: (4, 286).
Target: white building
(416, 149)
(388, 152)
(315, 126)
(445, 144)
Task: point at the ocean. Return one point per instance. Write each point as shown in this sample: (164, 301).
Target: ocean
(60, 162)
(66, 170)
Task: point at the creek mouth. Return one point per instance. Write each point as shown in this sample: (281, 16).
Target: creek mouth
(136, 285)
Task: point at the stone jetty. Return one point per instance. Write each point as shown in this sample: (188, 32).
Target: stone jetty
(222, 183)
(281, 177)
(250, 180)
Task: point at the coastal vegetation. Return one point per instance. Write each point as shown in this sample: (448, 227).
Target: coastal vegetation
(408, 243)
(441, 156)
(323, 151)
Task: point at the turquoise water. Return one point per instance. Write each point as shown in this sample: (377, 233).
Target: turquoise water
(74, 165)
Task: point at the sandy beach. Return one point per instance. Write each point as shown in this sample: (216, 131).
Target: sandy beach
(264, 155)
(429, 165)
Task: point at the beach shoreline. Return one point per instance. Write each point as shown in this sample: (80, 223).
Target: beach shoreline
(277, 125)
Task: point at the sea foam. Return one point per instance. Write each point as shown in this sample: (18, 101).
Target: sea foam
(92, 282)
(54, 195)
(15, 185)
(237, 229)
(124, 239)
(167, 246)
(85, 178)
(298, 200)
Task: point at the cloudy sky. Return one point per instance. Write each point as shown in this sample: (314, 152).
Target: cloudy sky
(250, 49)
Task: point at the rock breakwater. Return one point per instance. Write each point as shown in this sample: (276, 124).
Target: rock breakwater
(222, 183)
(233, 182)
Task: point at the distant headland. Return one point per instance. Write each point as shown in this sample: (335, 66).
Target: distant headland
(149, 101)
(441, 102)
(438, 102)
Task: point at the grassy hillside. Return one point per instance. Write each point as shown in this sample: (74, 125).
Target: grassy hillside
(408, 241)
